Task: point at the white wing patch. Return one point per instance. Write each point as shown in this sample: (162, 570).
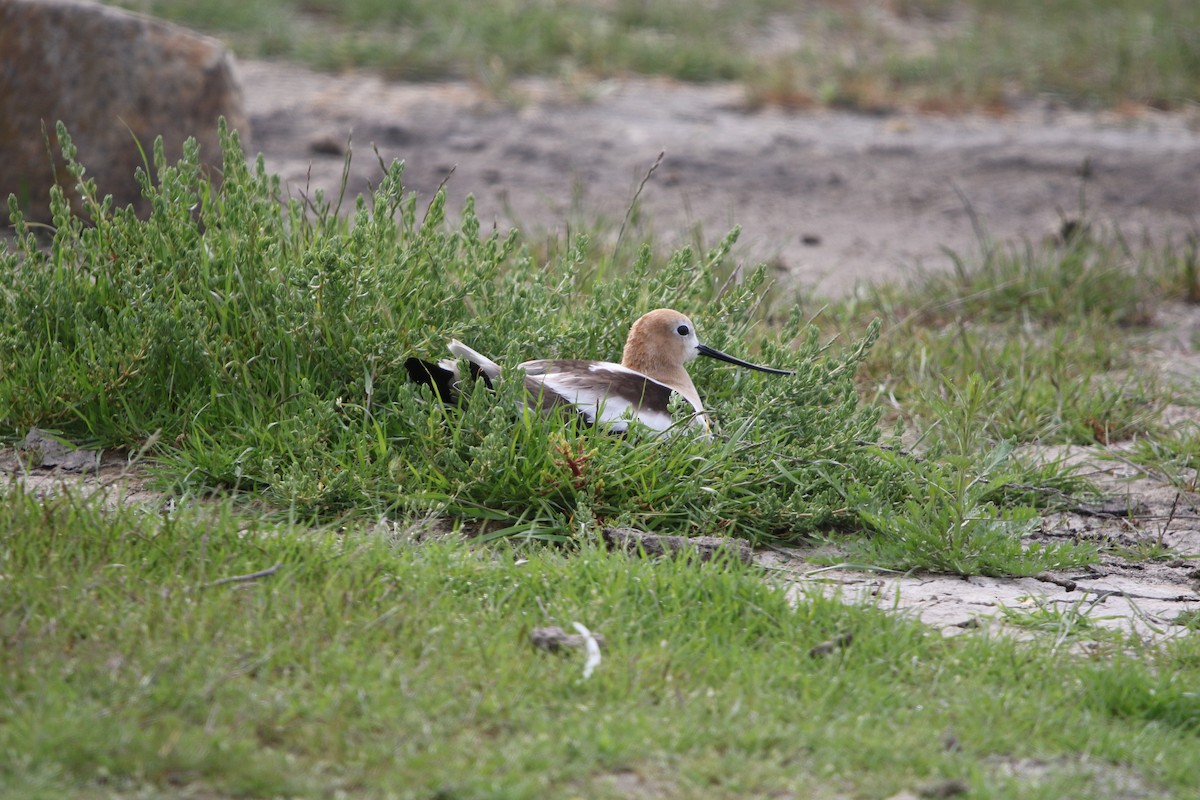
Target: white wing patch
(606, 394)
(489, 367)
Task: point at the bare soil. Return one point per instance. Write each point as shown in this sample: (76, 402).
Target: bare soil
(831, 199)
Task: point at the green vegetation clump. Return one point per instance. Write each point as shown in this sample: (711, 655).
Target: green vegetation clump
(256, 346)
(259, 345)
(1053, 330)
(253, 345)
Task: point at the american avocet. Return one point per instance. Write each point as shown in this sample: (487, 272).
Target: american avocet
(604, 393)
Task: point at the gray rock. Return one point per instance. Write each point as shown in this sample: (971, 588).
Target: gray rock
(110, 76)
(46, 452)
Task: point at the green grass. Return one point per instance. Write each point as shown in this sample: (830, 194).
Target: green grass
(425, 40)
(255, 347)
(251, 349)
(1055, 331)
(1071, 622)
(950, 521)
(375, 665)
(1174, 455)
(262, 346)
(932, 54)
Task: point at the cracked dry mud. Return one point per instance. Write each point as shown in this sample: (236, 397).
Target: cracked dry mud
(1145, 510)
(831, 199)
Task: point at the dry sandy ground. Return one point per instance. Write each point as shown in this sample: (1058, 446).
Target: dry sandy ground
(832, 199)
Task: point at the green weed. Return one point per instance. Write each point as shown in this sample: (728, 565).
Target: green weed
(260, 343)
(1173, 456)
(139, 658)
(1070, 622)
(1052, 329)
(950, 520)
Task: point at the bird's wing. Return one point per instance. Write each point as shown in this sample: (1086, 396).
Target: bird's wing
(603, 392)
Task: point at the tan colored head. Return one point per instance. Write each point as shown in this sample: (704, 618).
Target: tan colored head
(660, 342)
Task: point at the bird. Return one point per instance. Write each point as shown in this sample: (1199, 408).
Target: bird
(603, 393)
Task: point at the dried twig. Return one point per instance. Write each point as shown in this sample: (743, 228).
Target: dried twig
(439, 188)
(1162, 534)
(704, 547)
(1104, 594)
(253, 576)
(633, 202)
(1065, 583)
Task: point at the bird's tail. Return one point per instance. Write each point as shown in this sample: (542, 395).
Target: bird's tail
(488, 367)
(443, 377)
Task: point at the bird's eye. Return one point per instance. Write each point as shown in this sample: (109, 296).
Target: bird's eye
(682, 330)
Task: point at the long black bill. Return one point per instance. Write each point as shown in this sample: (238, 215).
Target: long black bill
(712, 352)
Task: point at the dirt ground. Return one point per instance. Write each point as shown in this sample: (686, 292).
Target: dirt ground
(831, 199)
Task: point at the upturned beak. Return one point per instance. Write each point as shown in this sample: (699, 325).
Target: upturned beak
(712, 352)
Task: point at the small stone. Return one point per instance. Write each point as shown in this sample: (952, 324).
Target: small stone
(43, 451)
(327, 144)
(832, 645)
(947, 788)
(554, 639)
